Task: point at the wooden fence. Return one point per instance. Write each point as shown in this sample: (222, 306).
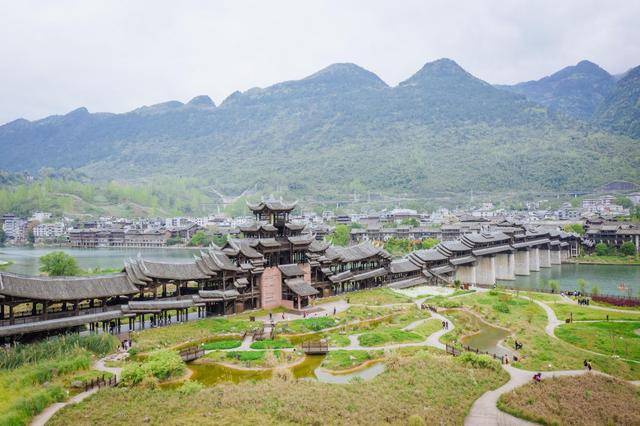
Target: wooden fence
(317, 347)
(100, 382)
(191, 353)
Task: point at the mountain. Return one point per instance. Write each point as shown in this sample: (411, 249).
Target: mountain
(620, 111)
(339, 130)
(575, 90)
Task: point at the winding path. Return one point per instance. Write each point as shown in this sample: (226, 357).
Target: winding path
(42, 418)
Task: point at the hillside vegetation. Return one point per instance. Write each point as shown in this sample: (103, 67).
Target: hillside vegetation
(342, 130)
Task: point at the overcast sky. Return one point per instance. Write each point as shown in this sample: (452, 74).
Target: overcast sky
(118, 55)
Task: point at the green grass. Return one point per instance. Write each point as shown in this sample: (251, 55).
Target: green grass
(428, 327)
(157, 366)
(373, 297)
(307, 325)
(190, 332)
(541, 352)
(585, 313)
(424, 384)
(222, 344)
(247, 356)
(607, 260)
(388, 335)
(583, 400)
(254, 359)
(271, 344)
(344, 360)
(612, 338)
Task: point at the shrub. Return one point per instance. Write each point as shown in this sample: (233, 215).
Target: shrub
(628, 249)
(320, 323)
(247, 355)
(190, 388)
(479, 361)
(160, 365)
(602, 249)
(501, 307)
(221, 344)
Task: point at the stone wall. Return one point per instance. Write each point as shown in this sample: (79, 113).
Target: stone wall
(271, 288)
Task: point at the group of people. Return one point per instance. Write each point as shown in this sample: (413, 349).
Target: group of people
(125, 344)
(583, 301)
(445, 325)
(517, 345)
(587, 365)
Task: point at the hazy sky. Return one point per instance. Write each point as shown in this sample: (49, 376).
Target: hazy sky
(118, 55)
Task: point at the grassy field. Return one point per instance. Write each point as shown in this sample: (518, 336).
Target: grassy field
(194, 332)
(387, 335)
(253, 359)
(373, 297)
(584, 400)
(585, 313)
(422, 387)
(540, 352)
(344, 360)
(613, 338)
(607, 260)
(35, 376)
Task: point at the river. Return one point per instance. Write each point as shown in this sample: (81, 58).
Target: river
(607, 277)
(26, 260)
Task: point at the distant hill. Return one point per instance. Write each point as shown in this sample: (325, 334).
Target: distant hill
(337, 131)
(576, 91)
(620, 111)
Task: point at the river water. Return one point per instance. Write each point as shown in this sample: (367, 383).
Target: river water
(26, 260)
(607, 277)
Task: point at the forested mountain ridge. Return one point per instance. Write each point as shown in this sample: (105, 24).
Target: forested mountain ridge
(341, 129)
(620, 111)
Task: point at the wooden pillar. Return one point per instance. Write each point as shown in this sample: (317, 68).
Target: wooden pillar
(76, 308)
(178, 288)
(45, 308)
(164, 290)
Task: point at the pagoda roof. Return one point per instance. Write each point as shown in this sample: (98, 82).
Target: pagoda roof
(276, 206)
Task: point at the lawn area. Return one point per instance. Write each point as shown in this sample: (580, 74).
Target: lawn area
(428, 327)
(613, 338)
(540, 352)
(57, 361)
(414, 389)
(344, 360)
(221, 344)
(585, 313)
(307, 325)
(583, 400)
(271, 344)
(607, 260)
(253, 359)
(190, 332)
(387, 335)
(374, 297)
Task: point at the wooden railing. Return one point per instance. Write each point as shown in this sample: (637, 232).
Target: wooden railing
(100, 382)
(191, 353)
(315, 348)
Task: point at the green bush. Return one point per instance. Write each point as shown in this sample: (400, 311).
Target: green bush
(320, 323)
(501, 307)
(602, 249)
(628, 249)
(190, 388)
(271, 344)
(479, 361)
(221, 344)
(161, 365)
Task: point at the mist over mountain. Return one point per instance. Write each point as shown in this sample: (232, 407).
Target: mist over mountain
(343, 129)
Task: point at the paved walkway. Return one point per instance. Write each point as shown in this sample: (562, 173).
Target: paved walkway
(42, 418)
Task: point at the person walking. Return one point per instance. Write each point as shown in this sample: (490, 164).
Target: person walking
(589, 367)
(334, 310)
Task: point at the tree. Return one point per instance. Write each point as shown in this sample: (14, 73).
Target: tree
(411, 221)
(58, 263)
(628, 249)
(602, 249)
(624, 202)
(428, 243)
(595, 290)
(3, 238)
(582, 285)
(554, 285)
(340, 235)
(577, 228)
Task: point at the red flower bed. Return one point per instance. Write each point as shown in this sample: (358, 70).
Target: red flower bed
(617, 301)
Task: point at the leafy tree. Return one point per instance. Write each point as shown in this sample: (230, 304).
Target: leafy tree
(623, 201)
(172, 241)
(582, 285)
(595, 290)
(3, 238)
(58, 263)
(340, 235)
(554, 285)
(411, 221)
(628, 249)
(428, 243)
(602, 249)
(577, 228)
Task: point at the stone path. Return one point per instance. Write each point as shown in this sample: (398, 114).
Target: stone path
(42, 418)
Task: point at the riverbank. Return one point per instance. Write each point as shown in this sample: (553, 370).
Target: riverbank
(606, 260)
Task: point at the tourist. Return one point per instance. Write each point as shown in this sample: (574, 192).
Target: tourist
(283, 317)
(537, 377)
(334, 310)
(271, 316)
(589, 367)
(584, 364)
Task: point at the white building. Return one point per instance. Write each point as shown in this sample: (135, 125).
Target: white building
(48, 230)
(41, 216)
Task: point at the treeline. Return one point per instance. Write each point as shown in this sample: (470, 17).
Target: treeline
(176, 196)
